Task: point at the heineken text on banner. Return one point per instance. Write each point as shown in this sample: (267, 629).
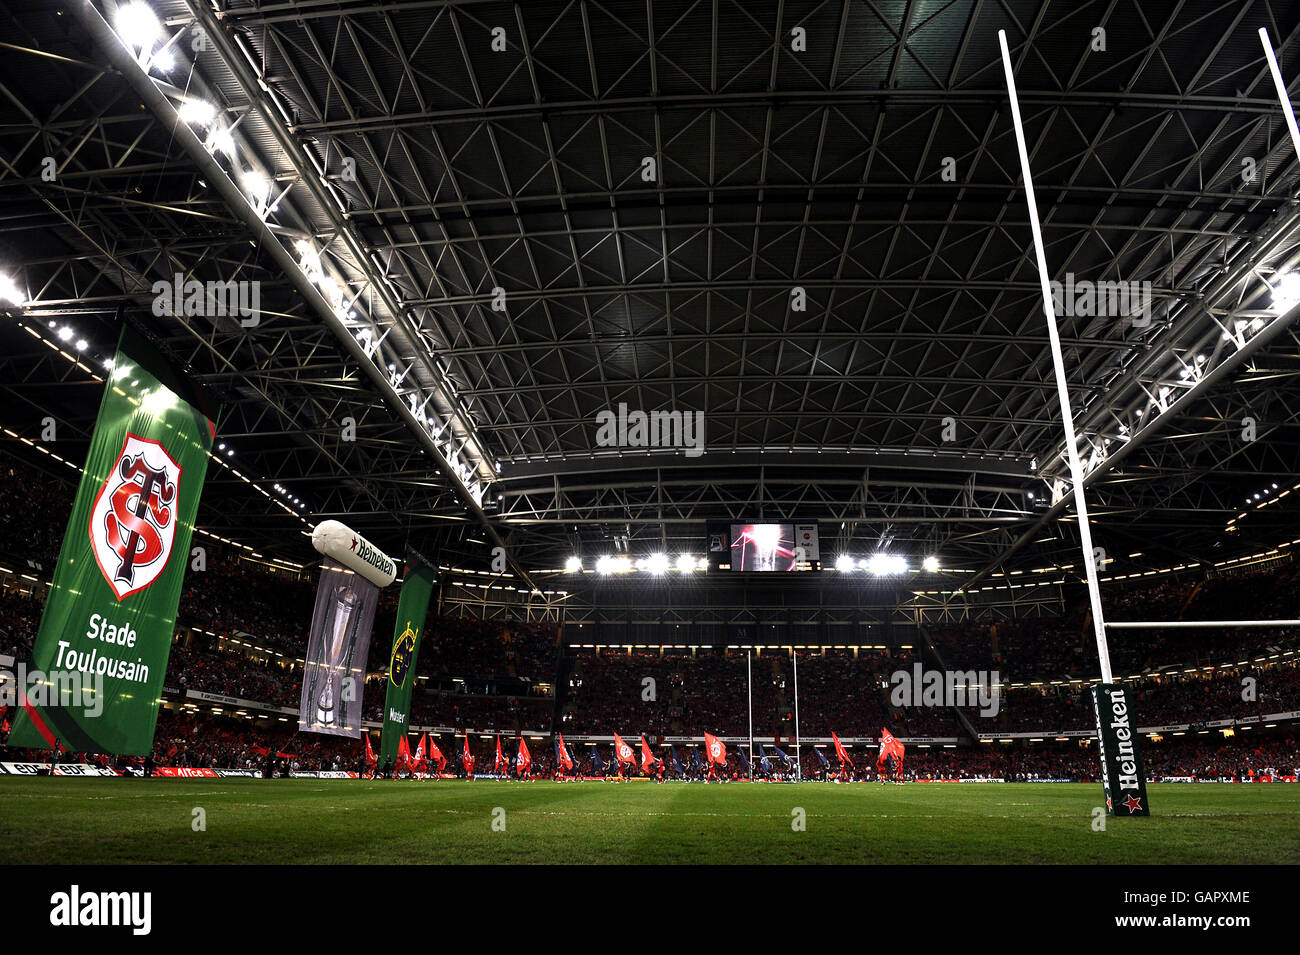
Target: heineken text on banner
(335, 671)
(1121, 763)
(417, 584)
(110, 616)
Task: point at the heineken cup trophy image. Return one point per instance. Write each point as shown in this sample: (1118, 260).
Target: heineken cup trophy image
(345, 602)
(344, 609)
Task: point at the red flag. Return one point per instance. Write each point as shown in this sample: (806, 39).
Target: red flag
(623, 751)
(435, 754)
(647, 757)
(525, 758)
(370, 753)
(418, 761)
(403, 754)
(467, 758)
(840, 752)
(889, 746)
(565, 761)
(500, 763)
(716, 752)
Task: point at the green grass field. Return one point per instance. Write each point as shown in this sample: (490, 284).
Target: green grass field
(333, 821)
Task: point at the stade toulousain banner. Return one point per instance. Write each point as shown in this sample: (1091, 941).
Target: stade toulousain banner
(417, 585)
(1122, 774)
(335, 671)
(108, 623)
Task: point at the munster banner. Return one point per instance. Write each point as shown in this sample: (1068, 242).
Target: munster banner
(101, 650)
(417, 584)
(334, 674)
(1122, 775)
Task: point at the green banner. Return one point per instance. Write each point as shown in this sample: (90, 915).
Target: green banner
(417, 585)
(101, 651)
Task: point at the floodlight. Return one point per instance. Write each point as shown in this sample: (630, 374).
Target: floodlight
(138, 25)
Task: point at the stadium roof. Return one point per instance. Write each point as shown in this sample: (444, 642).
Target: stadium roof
(824, 250)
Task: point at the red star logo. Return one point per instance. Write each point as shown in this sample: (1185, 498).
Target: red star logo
(354, 544)
(1132, 804)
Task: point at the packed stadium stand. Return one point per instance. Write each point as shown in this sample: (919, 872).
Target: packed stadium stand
(241, 628)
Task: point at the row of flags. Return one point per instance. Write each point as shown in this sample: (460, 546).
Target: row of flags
(426, 753)
(889, 747)
(714, 748)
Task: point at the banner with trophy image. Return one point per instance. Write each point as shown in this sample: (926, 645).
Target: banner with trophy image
(412, 606)
(334, 674)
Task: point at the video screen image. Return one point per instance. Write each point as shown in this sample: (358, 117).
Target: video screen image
(762, 547)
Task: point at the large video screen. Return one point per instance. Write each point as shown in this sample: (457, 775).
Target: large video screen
(762, 546)
(773, 547)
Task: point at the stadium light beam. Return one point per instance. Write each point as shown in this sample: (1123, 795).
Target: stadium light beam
(886, 565)
(1286, 293)
(198, 112)
(10, 292)
(221, 140)
(164, 61)
(138, 25)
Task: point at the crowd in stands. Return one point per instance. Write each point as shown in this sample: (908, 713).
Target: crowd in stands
(1169, 699)
(711, 690)
(1052, 648)
(464, 647)
(231, 674)
(611, 694)
(469, 710)
(227, 742)
(683, 693)
(234, 595)
(20, 615)
(1195, 757)
(35, 511)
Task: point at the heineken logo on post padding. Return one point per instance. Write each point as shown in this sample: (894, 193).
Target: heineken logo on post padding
(1121, 760)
